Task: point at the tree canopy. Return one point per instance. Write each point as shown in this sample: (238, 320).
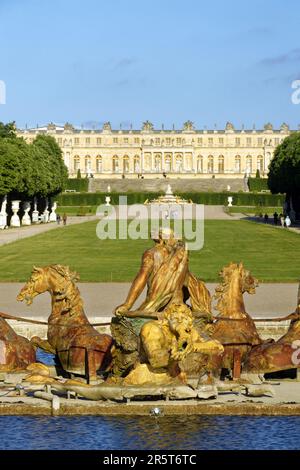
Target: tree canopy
(284, 169)
(30, 169)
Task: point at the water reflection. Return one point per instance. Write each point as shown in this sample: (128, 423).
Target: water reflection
(188, 432)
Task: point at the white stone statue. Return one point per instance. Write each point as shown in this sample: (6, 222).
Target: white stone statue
(35, 212)
(3, 214)
(228, 187)
(15, 220)
(107, 200)
(230, 199)
(46, 213)
(108, 189)
(169, 191)
(26, 218)
(53, 215)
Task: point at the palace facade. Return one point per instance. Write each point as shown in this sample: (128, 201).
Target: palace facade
(150, 152)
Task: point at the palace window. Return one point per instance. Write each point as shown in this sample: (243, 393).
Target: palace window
(59, 141)
(168, 141)
(259, 141)
(276, 141)
(99, 164)
(199, 164)
(249, 164)
(157, 141)
(115, 140)
(76, 140)
(115, 164)
(249, 141)
(157, 163)
(178, 141)
(210, 165)
(125, 140)
(237, 164)
(125, 164)
(98, 140)
(76, 163)
(179, 163)
(136, 140)
(210, 141)
(221, 164)
(260, 163)
(200, 141)
(136, 163)
(221, 141)
(237, 141)
(87, 164)
(168, 163)
(87, 141)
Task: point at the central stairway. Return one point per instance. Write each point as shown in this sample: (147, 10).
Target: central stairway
(180, 185)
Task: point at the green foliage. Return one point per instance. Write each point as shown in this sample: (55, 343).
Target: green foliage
(7, 130)
(210, 198)
(78, 173)
(78, 184)
(284, 169)
(258, 184)
(257, 173)
(30, 169)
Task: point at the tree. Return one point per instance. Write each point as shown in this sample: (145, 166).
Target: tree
(257, 174)
(8, 130)
(55, 170)
(11, 167)
(78, 174)
(284, 169)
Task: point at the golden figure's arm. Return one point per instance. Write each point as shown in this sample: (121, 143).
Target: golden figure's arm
(138, 284)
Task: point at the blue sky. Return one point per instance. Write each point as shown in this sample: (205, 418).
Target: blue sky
(167, 61)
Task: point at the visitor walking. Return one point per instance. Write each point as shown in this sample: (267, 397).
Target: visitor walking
(275, 216)
(266, 218)
(65, 219)
(58, 219)
(287, 221)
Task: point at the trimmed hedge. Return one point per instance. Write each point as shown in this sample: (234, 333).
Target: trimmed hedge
(239, 199)
(258, 184)
(80, 185)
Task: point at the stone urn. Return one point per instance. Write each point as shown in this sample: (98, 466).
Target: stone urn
(15, 220)
(230, 199)
(26, 218)
(53, 215)
(107, 200)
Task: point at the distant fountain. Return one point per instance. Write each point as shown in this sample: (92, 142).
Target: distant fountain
(169, 198)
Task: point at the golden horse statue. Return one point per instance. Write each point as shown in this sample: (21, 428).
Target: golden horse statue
(280, 355)
(16, 352)
(78, 346)
(234, 327)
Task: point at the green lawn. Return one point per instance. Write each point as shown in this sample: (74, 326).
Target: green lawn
(272, 254)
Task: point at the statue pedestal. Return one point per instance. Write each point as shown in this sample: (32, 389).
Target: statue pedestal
(15, 220)
(26, 218)
(3, 221)
(53, 215)
(46, 216)
(35, 217)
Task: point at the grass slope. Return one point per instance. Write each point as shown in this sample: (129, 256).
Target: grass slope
(272, 254)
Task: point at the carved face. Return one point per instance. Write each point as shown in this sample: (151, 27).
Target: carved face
(37, 284)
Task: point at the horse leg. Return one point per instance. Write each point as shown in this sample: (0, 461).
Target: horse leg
(237, 364)
(42, 344)
(91, 367)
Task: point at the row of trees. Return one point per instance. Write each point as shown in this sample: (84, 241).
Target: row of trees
(284, 170)
(35, 169)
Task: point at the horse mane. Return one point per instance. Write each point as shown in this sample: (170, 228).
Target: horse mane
(65, 288)
(222, 289)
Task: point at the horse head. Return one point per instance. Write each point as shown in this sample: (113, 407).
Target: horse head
(55, 279)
